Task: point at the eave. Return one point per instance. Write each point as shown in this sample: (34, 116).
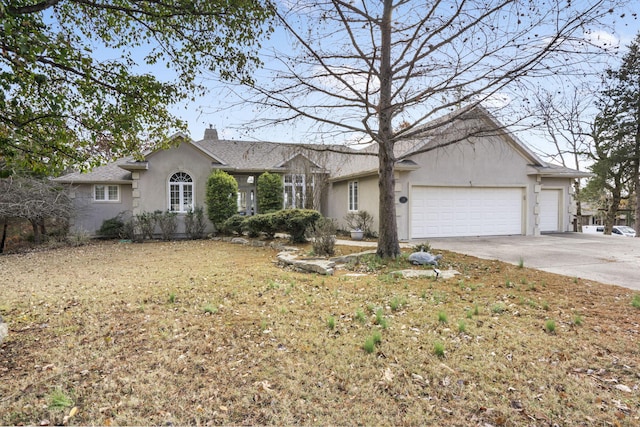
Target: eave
(135, 166)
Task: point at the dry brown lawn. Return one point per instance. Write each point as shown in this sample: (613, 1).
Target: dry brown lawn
(207, 332)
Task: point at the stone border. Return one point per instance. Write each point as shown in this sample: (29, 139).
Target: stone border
(288, 257)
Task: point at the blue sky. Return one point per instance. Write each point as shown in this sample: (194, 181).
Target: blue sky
(221, 109)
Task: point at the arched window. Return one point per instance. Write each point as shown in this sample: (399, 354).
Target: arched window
(180, 192)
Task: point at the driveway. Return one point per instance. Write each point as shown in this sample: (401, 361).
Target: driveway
(607, 259)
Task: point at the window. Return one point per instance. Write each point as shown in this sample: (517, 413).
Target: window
(106, 193)
(295, 187)
(353, 195)
(180, 192)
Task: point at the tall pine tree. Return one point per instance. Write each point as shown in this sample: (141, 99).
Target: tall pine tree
(618, 129)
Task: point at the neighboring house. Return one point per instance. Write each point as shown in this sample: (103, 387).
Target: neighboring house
(488, 183)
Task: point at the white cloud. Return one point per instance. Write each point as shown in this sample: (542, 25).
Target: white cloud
(602, 39)
(497, 100)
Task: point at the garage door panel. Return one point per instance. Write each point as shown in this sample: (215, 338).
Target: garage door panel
(452, 211)
(549, 210)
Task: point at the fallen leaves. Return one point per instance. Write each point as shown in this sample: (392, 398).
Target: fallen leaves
(111, 339)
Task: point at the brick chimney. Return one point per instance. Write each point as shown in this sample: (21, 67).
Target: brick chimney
(211, 134)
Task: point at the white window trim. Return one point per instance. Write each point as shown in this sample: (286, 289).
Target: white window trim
(294, 184)
(106, 198)
(353, 205)
(182, 208)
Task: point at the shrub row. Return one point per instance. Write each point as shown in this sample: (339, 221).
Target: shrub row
(145, 225)
(293, 222)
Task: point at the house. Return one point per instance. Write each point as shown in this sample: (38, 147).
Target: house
(466, 175)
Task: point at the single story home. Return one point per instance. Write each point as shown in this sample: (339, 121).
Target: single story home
(466, 175)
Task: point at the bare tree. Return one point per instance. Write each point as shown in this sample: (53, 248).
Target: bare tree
(565, 117)
(35, 200)
(379, 71)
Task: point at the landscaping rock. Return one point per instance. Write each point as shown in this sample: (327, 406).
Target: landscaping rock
(346, 259)
(4, 330)
(424, 258)
(444, 274)
(320, 266)
(240, 241)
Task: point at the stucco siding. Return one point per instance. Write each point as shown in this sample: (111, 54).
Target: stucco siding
(488, 162)
(152, 185)
(90, 214)
(338, 202)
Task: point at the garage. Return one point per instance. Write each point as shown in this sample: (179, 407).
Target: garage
(464, 211)
(549, 210)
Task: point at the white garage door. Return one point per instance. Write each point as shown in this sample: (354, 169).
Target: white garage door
(549, 210)
(452, 211)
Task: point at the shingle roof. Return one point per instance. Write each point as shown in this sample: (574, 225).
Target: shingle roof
(340, 160)
(111, 172)
(560, 171)
(273, 156)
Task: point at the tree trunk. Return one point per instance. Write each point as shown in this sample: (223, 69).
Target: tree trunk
(5, 227)
(36, 231)
(576, 186)
(637, 172)
(610, 217)
(388, 245)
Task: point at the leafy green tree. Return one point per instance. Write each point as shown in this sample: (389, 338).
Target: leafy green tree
(623, 111)
(270, 192)
(222, 197)
(616, 139)
(612, 168)
(64, 103)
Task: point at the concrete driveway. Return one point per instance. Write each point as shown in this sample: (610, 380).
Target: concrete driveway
(607, 259)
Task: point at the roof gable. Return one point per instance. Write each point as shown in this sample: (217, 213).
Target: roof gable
(463, 125)
(298, 162)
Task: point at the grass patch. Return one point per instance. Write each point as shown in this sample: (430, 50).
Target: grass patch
(462, 326)
(397, 303)
(578, 320)
(210, 309)
(438, 349)
(442, 317)
(380, 319)
(331, 322)
(125, 356)
(498, 308)
(550, 326)
(58, 399)
(371, 342)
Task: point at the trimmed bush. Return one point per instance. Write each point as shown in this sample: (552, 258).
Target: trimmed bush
(261, 223)
(222, 197)
(194, 223)
(146, 221)
(235, 225)
(168, 223)
(270, 193)
(295, 222)
(111, 228)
